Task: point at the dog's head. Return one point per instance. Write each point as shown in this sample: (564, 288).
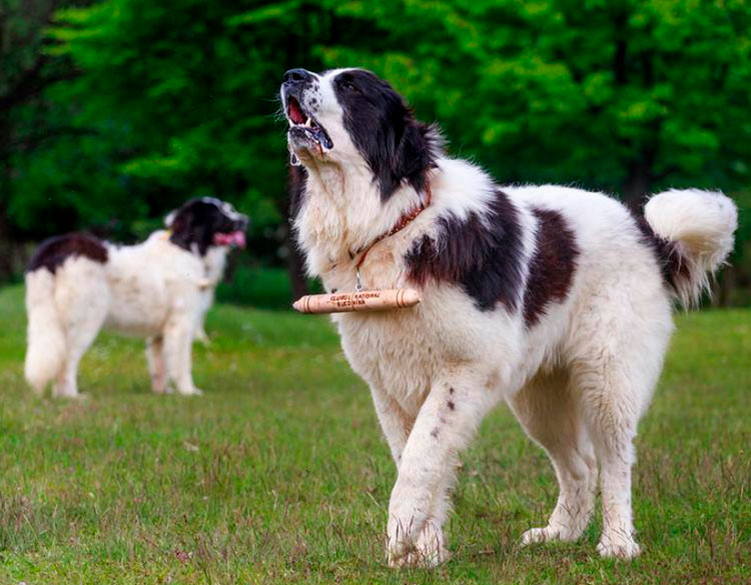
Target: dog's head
(352, 117)
(205, 222)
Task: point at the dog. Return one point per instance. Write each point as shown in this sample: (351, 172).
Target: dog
(77, 284)
(215, 263)
(555, 300)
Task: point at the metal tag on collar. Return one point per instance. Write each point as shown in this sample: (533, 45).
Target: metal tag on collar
(358, 285)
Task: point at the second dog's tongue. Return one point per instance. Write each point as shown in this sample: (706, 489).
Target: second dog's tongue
(232, 239)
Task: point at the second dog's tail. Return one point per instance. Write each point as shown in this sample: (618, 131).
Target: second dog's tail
(696, 230)
(45, 349)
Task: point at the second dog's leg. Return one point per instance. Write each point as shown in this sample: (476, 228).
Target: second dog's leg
(157, 367)
(178, 339)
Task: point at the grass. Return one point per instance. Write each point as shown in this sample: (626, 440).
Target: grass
(264, 287)
(279, 473)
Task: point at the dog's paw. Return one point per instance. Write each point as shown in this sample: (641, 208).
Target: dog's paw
(539, 535)
(618, 548)
(427, 552)
(203, 337)
(78, 396)
(419, 558)
(548, 534)
(191, 392)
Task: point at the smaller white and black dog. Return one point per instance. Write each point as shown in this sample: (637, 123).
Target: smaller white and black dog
(159, 290)
(215, 263)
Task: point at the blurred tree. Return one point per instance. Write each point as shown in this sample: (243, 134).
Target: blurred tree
(24, 72)
(177, 97)
(186, 93)
(625, 95)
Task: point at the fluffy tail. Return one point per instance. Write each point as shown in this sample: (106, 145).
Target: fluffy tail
(696, 232)
(45, 349)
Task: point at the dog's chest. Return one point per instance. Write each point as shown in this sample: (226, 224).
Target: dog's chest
(393, 351)
(390, 349)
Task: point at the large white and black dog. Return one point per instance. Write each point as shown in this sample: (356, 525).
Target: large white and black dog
(159, 289)
(556, 300)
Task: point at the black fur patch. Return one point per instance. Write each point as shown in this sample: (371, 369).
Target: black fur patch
(666, 253)
(551, 270)
(298, 178)
(481, 254)
(195, 224)
(54, 251)
(396, 147)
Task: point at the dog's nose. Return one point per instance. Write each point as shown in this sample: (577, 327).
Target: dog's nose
(297, 76)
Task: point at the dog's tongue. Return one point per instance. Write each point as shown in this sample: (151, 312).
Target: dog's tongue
(232, 239)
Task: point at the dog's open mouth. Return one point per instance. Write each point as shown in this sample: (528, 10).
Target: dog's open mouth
(234, 239)
(304, 127)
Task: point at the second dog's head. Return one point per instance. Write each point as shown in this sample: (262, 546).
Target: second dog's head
(204, 222)
(352, 117)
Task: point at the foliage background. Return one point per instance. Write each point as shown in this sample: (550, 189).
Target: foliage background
(115, 111)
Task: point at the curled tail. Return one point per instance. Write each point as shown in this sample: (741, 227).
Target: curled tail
(45, 349)
(694, 230)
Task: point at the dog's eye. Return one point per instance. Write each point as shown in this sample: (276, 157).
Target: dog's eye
(349, 86)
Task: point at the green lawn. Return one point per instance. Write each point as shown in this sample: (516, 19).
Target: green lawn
(279, 474)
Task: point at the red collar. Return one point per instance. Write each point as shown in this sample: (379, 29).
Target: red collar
(403, 222)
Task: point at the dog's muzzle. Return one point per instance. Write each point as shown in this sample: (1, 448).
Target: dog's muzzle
(304, 132)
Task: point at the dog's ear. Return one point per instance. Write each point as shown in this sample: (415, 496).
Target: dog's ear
(187, 232)
(169, 218)
(408, 156)
(416, 154)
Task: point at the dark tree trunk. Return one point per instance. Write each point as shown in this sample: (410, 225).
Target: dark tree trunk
(296, 259)
(636, 186)
(6, 247)
(723, 287)
(638, 183)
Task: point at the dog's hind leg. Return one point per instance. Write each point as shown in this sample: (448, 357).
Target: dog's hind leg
(615, 366)
(612, 416)
(82, 298)
(547, 410)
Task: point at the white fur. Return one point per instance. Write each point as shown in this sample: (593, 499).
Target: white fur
(215, 261)
(702, 225)
(154, 290)
(44, 357)
(578, 381)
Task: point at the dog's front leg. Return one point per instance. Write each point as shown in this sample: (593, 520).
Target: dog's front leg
(178, 339)
(395, 423)
(444, 426)
(157, 366)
